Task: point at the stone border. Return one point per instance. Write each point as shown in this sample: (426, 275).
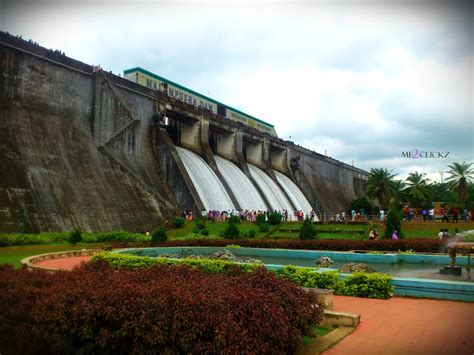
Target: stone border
(30, 261)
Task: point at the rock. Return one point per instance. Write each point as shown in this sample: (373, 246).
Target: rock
(223, 255)
(357, 267)
(248, 260)
(324, 261)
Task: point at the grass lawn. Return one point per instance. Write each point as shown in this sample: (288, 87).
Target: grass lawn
(318, 332)
(13, 255)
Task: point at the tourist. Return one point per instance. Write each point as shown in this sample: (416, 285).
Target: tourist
(445, 216)
(431, 214)
(382, 215)
(373, 235)
(440, 234)
(465, 215)
(395, 235)
(353, 213)
(455, 215)
(446, 234)
(424, 213)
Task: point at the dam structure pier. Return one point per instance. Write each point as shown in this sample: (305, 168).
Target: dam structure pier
(84, 148)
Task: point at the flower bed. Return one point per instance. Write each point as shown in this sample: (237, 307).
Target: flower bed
(97, 309)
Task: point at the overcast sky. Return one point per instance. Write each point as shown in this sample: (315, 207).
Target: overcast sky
(363, 81)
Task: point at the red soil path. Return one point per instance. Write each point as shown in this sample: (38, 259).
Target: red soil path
(64, 263)
(407, 326)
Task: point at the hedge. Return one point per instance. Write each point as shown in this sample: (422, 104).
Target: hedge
(358, 284)
(97, 309)
(206, 265)
(418, 245)
(58, 237)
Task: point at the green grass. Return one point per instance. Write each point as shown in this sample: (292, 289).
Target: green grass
(318, 331)
(14, 255)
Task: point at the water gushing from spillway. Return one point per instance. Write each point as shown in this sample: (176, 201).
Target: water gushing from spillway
(243, 189)
(294, 193)
(210, 189)
(275, 196)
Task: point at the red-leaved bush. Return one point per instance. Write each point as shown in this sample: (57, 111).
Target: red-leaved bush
(97, 309)
(418, 245)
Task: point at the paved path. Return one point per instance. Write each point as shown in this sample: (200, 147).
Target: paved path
(64, 263)
(407, 326)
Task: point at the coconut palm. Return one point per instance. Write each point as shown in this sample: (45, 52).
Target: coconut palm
(382, 186)
(417, 188)
(461, 174)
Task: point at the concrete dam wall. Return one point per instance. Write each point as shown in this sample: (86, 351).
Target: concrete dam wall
(80, 147)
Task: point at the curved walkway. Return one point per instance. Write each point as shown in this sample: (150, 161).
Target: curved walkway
(407, 326)
(63, 263)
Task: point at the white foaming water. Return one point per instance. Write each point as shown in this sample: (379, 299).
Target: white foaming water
(271, 190)
(210, 189)
(294, 193)
(243, 189)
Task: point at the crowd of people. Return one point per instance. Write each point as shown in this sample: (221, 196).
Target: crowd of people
(453, 215)
(247, 215)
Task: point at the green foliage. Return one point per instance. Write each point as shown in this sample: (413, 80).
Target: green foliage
(417, 188)
(200, 224)
(274, 218)
(178, 222)
(235, 219)
(381, 185)
(363, 204)
(408, 251)
(263, 227)
(159, 235)
(358, 284)
(205, 232)
(308, 230)
(75, 237)
(260, 219)
(252, 233)
(374, 285)
(231, 231)
(233, 246)
(461, 174)
(394, 222)
(206, 265)
(308, 277)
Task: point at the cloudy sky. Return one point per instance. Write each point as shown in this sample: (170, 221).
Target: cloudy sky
(362, 81)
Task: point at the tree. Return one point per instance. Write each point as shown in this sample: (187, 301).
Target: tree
(381, 185)
(461, 174)
(75, 236)
(308, 230)
(364, 204)
(394, 220)
(159, 235)
(417, 189)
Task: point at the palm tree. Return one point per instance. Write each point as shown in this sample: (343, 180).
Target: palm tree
(382, 186)
(417, 188)
(461, 175)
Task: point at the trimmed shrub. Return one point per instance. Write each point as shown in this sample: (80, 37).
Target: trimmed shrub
(308, 230)
(75, 237)
(178, 222)
(96, 309)
(274, 218)
(260, 219)
(205, 232)
(358, 284)
(252, 233)
(374, 285)
(418, 245)
(231, 231)
(159, 235)
(263, 227)
(206, 265)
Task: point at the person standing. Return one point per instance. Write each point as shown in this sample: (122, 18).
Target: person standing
(382, 215)
(455, 215)
(431, 214)
(395, 235)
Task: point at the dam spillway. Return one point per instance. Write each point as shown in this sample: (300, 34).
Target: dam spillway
(294, 193)
(243, 189)
(273, 193)
(210, 189)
